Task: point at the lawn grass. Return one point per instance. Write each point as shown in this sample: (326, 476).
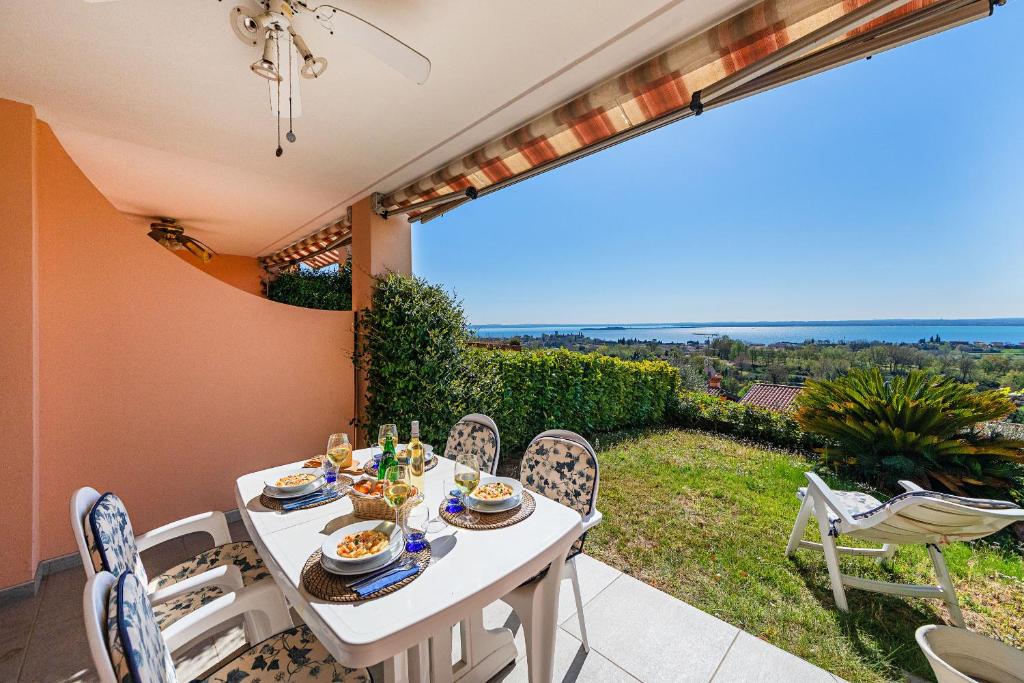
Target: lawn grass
(706, 519)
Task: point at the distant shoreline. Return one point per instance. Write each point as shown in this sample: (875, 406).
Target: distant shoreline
(913, 322)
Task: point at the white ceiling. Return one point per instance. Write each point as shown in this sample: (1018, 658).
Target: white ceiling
(155, 101)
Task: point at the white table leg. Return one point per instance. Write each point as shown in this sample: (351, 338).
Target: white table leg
(441, 657)
(485, 651)
(394, 669)
(419, 663)
(542, 623)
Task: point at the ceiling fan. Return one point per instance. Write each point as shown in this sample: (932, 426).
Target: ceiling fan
(284, 54)
(169, 234)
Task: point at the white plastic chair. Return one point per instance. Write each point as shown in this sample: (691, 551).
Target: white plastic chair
(916, 517)
(957, 655)
(150, 652)
(574, 486)
(476, 433)
(188, 591)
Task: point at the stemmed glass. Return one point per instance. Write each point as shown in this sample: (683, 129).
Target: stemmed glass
(467, 478)
(338, 456)
(397, 489)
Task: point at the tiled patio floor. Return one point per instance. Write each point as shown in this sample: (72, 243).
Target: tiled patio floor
(637, 633)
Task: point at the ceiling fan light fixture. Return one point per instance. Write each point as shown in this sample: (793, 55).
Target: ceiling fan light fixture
(312, 67)
(266, 67)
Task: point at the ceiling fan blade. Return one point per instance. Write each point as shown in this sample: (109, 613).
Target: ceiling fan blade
(197, 248)
(383, 46)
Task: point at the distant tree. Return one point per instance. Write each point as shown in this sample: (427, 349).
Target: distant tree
(777, 372)
(966, 364)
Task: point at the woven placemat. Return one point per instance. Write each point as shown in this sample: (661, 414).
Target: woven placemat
(372, 471)
(322, 584)
(492, 520)
(278, 503)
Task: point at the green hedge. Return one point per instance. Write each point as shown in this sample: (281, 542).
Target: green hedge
(527, 392)
(697, 410)
(328, 290)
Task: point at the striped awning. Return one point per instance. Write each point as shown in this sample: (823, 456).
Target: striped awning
(318, 250)
(771, 43)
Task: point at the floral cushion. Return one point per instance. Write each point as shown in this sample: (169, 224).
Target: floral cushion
(468, 436)
(111, 539)
(138, 652)
(243, 555)
(294, 655)
(169, 611)
(562, 470)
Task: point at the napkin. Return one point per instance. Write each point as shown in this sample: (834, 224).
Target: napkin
(317, 497)
(385, 581)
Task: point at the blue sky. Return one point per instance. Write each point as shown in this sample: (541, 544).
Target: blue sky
(886, 188)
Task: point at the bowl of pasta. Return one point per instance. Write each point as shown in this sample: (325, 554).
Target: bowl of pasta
(496, 491)
(294, 481)
(368, 543)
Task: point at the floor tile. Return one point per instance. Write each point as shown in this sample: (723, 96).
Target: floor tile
(17, 618)
(61, 598)
(66, 637)
(160, 558)
(594, 575)
(752, 660)
(571, 664)
(238, 531)
(653, 636)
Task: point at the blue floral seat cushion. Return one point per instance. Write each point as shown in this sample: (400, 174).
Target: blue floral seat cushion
(137, 650)
(562, 470)
(293, 656)
(242, 554)
(111, 539)
(169, 611)
(468, 436)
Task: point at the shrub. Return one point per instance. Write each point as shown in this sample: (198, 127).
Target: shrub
(410, 345)
(327, 290)
(527, 392)
(698, 410)
(919, 426)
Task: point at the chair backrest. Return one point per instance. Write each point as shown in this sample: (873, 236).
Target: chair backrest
(932, 517)
(110, 539)
(478, 434)
(562, 465)
(124, 639)
(82, 501)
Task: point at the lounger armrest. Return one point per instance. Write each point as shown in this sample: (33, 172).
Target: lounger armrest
(228, 577)
(819, 489)
(213, 523)
(591, 519)
(262, 596)
(909, 486)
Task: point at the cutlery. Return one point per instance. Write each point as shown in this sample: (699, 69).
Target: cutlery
(302, 502)
(381, 573)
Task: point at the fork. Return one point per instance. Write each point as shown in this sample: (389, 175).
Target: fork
(380, 573)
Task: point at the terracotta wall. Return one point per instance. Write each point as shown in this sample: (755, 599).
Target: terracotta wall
(243, 272)
(154, 380)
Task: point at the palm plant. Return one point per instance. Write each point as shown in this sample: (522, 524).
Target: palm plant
(919, 426)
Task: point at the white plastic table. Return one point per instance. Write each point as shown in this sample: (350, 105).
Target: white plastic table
(468, 571)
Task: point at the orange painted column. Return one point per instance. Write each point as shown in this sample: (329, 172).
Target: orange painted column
(19, 326)
(379, 246)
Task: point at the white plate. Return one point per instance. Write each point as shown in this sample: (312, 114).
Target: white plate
(510, 504)
(312, 488)
(305, 488)
(330, 545)
(517, 492)
(382, 562)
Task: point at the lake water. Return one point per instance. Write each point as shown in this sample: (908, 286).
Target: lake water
(1010, 331)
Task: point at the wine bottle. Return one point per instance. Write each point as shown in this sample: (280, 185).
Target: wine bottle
(417, 457)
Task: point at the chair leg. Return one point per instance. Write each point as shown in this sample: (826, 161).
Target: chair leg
(889, 549)
(801, 523)
(574, 577)
(828, 545)
(946, 583)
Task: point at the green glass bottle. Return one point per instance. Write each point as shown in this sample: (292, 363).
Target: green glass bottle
(388, 461)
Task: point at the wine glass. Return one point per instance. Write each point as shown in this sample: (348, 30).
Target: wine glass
(397, 489)
(467, 478)
(415, 526)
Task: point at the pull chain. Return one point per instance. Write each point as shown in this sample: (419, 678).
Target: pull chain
(279, 151)
(291, 134)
